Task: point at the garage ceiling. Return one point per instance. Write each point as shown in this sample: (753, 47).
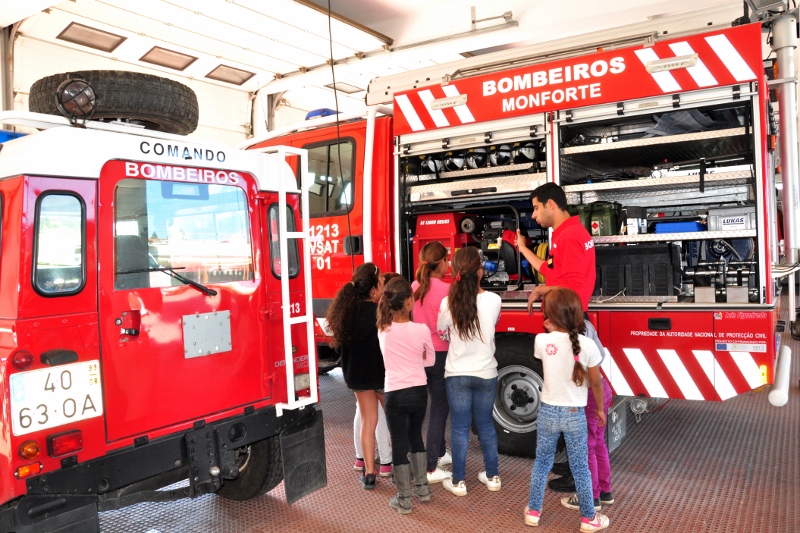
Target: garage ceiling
(284, 45)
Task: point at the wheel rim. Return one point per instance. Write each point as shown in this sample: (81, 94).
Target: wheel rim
(516, 403)
(242, 458)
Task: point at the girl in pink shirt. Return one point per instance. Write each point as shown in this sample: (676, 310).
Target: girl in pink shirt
(407, 349)
(429, 291)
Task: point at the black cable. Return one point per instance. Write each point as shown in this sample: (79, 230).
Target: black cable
(339, 148)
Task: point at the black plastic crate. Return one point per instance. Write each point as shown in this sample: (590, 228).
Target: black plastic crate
(640, 270)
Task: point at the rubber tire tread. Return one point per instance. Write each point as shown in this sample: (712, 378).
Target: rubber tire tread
(263, 473)
(166, 105)
(516, 350)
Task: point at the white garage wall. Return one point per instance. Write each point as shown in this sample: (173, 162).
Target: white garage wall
(224, 112)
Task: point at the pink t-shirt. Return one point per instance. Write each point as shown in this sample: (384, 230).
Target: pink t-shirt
(402, 346)
(427, 312)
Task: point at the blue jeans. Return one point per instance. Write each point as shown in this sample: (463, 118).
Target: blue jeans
(472, 399)
(571, 421)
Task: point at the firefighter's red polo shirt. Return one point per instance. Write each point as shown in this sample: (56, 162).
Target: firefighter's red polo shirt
(572, 264)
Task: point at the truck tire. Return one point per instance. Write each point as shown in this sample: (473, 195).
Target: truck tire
(260, 471)
(156, 103)
(519, 390)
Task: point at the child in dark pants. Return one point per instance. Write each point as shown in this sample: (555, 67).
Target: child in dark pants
(407, 349)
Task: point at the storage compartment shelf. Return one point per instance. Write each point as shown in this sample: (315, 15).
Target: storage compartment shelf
(472, 188)
(639, 156)
(714, 178)
(668, 237)
(471, 172)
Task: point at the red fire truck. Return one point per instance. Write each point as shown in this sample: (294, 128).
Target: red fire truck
(150, 331)
(666, 152)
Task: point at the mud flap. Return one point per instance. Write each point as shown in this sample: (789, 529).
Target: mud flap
(303, 451)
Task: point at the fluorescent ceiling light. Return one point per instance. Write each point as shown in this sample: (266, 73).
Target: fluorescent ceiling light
(345, 87)
(760, 7)
(228, 74)
(168, 58)
(91, 37)
(671, 63)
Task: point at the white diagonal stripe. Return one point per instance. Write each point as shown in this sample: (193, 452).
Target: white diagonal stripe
(681, 376)
(700, 73)
(715, 374)
(615, 377)
(645, 373)
(731, 58)
(462, 111)
(664, 79)
(436, 114)
(749, 368)
(408, 111)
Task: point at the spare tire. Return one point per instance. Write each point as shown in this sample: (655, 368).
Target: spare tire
(156, 103)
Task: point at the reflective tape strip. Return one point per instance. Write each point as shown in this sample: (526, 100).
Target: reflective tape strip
(436, 114)
(463, 112)
(409, 113)
(681, 376)
(664, 79)
(749, 368)
(645, 373)
(730, 58)
(700, 73)
(715, 374)
(615, 377)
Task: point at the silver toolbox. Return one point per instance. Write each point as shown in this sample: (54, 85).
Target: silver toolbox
(732, 218)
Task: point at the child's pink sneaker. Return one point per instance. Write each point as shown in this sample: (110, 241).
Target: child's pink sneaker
(385, 470)
(358, 466)
(600, 521)
(531, 517)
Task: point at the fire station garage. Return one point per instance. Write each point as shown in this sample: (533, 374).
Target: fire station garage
(211, 214)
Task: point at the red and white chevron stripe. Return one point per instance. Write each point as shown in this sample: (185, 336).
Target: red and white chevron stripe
(695, 375)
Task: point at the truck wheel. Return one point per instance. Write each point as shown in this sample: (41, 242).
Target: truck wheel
(519, 390)
(327, 359)
(154, 102)
(260, 471)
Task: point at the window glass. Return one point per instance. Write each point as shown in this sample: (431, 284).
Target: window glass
(274, 243)
(58, 245)
(200, 230)
(331, 165)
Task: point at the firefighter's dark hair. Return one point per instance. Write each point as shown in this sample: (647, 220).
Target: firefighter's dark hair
(550, 191)
(563, 308)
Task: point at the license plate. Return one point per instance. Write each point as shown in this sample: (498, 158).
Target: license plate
(51, 397)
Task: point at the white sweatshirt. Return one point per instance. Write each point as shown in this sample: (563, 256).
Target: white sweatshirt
(475, 356)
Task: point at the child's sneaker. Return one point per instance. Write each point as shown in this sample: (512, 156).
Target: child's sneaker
(438, 475)
(492, 484)
(368, 481)
(600, 521)
(606, 498)
(458, 489)
(445, 460)
(359, 465)
(572, 502)
(385, 470)
(531, 517)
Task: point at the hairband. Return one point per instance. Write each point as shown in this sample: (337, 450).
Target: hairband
(352, 283)
(576, 358)
(458, 276)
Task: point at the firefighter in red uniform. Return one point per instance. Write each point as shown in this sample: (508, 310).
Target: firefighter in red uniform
(571, 264)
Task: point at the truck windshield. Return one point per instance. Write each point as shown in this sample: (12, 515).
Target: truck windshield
(200, 228)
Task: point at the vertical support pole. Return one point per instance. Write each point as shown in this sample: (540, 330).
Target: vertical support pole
(366, 200)
(784, 42)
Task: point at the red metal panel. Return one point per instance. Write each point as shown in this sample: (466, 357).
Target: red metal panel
(728, 56)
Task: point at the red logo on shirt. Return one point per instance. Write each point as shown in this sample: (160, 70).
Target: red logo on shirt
(551, 349)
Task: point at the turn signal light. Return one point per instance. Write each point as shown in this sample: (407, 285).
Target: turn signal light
(763, 369)
(22, 359)
(29, 450)
(28, 470)
(65, 443)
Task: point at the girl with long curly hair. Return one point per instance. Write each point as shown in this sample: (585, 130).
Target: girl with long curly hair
(351, 320)
(569, 360)
(470, 314)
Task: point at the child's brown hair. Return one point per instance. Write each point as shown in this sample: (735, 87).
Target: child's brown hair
(341, 314)
(563, 308)
(430, 257)
(395, 295)
(462, 300)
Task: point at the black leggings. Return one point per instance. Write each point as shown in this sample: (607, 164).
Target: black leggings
(405, 412)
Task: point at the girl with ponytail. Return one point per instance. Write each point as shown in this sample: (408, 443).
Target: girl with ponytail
(569, 361)
(429, 291)
(407, 349)
(351, 320)
(469, 315)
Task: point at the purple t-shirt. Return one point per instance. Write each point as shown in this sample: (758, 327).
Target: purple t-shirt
(427, 312)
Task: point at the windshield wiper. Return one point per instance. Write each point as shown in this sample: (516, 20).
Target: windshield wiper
(171, 272)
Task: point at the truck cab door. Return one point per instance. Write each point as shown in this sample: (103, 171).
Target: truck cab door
(176, 350)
